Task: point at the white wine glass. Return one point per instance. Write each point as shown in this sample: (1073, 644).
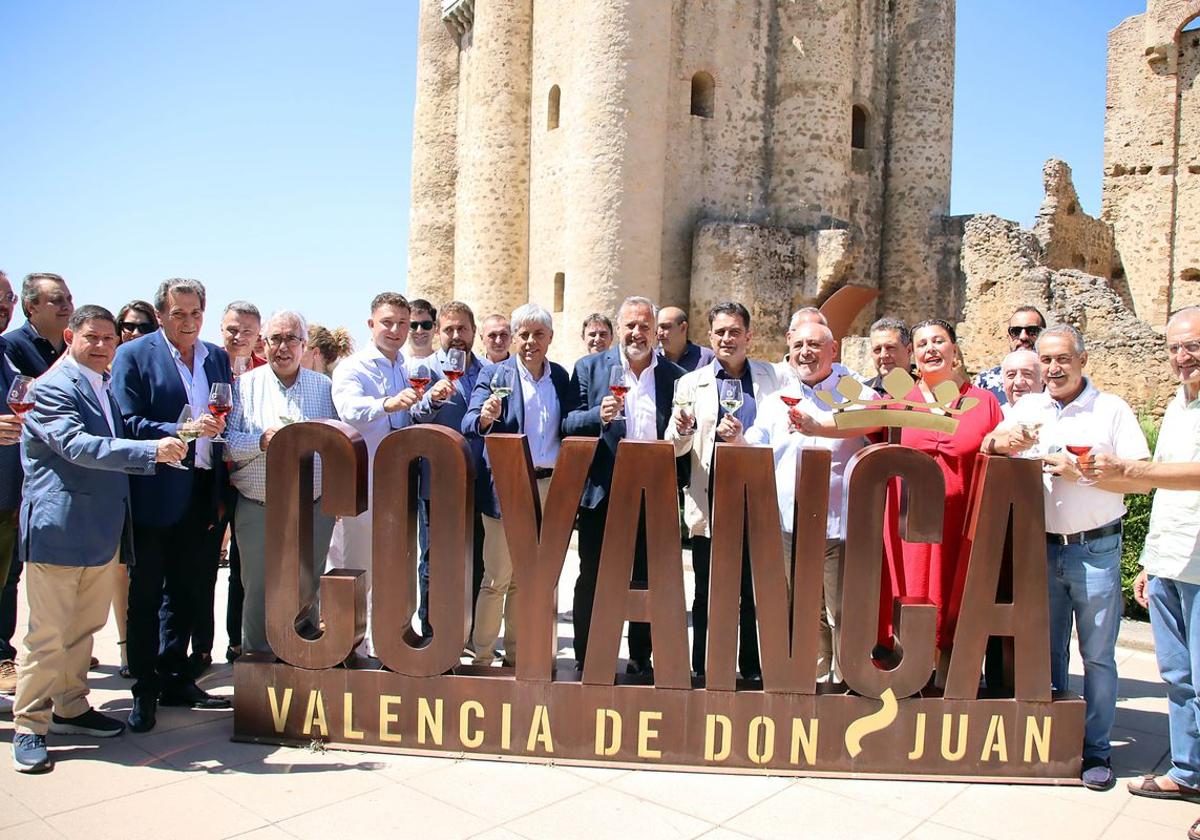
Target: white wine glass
(187, 431)
(502, 381)
(684, 400)
(731, 395)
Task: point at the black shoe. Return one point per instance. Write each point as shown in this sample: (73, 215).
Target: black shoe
(192, 696)
(232, 653)
(639, 668)
(1097, 774)
(124, 673)
(90, 722)
(198, 664)
(142, 717)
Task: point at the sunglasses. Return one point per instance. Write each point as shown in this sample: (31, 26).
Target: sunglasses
(143, 327)
(421, 325)
(1032, 332)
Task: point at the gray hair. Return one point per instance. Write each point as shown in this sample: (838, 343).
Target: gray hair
(530, 313)
(895, 325)
(287, 315)
(804, 310)
(179, 285)
(1186, 312)
(243, 307)
(638, 300)
(1064, 329)
(824, 330)
(29, 288)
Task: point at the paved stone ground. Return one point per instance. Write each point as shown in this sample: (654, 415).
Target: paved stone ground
(186, 779)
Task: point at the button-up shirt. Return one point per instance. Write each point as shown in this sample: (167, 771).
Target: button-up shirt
(694, 356)
(30, 353)
(99, 383)
(749, 410)
(542, 415)
(362, 383)
(1106, 422)
(774, 429)
(1172, 547)
(641, 412)
(195, 385)
(263, 402)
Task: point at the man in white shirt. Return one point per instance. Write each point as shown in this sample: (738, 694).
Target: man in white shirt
(812, 347)
(1083, 525)
(1021, 374)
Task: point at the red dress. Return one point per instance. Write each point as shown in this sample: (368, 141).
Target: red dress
(928, 570)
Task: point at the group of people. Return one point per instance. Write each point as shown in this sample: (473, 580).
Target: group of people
(110, 403)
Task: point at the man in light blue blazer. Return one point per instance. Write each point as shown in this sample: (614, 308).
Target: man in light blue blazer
(74, 518)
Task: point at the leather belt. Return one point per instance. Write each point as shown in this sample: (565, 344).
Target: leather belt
(542, 472)
(1108, 530)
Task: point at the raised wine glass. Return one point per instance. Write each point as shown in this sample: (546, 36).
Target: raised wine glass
(187, 431)
(684, 400)
(20, 395)
(616, 385)
(731, 395)
(502, 381)
(456, 364)
(420, 378)
(1082, 450)
(239, 365)
(791, 400)
(220, 403)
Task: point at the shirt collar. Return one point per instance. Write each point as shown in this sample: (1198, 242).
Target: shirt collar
(528, 377)
(1183, 400)
(628, 369)
(719, 371)
(1083, 402)
(33, 334)
(373, 352)
(199, 350)
(98, 381)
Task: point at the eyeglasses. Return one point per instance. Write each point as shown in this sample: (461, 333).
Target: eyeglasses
(1032, 331)
(143, 327)
(281, 340)
(8, 297)
(1191, 347)
(421, 325)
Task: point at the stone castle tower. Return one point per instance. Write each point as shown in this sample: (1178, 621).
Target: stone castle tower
(573, 152)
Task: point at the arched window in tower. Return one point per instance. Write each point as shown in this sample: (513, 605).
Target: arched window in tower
(704, 91)
(552, 107)
(858, 127)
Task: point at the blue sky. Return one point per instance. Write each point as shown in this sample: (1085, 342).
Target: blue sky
(264, 147)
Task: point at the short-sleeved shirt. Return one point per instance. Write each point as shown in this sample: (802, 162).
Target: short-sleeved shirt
(1106, 422)
(993, 380)
(1172, 547)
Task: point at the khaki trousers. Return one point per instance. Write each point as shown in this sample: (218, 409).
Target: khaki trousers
(828, 669)
(498, 592)
(67, 606)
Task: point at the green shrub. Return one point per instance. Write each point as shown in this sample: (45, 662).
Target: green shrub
(1137, 522)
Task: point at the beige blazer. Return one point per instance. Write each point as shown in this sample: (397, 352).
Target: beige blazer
(702, 382)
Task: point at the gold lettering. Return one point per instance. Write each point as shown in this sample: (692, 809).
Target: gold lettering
(429, 720)
(604, 745)
(315, 716)
(645, 734)
(918, 749)
(464, 724)
(996, 740)
(279, 714)
(1040, 736)
(348, 730)
(762, 728)
(539, 730)
(947, 725)
(506, 726)
(388, 717)
(805, 739)
(711, 722)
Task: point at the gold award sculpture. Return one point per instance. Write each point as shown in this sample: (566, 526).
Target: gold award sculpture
(941, 415)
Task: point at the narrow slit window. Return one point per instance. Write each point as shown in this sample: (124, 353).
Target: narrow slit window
(560, 281)
(704, 91)
(552, 107)
(858, 127)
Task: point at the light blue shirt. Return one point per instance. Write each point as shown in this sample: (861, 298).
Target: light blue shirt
(195, 385)
(362, 382)
(542, 415)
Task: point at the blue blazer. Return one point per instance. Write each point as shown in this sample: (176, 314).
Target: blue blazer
(10, 454)
(75, 502)
(510, 421)
(590, 384)
(147, 386)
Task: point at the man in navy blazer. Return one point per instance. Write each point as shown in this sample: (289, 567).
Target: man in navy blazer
(74, 517)
(647, 405)
(175, 512)
(540, 398)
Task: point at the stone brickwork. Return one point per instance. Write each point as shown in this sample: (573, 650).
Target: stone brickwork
(1070, 238)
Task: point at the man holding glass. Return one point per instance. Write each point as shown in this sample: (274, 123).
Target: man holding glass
(1083, 528)
(624, 392)
(525, 394)
(165, 385)
(729, 389)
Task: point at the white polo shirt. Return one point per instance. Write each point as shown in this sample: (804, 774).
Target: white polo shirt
(1173, 542)
(1106, 422)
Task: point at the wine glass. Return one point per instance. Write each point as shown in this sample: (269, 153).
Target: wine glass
(731, 395)
(220, 403)
(20, 395)
(1082, 450)
(791, 401)
(239, 365)
(616, 384)
(456, 364)
(684, 399)
(420, 378)
(502, 381)
(187, 431)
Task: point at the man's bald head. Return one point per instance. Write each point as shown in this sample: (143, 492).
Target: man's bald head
(672, 331)
(810, 351)
(1021, 373)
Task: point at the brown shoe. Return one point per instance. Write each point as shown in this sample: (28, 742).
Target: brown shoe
(1148, 787)
(8, 677)
(94, 664)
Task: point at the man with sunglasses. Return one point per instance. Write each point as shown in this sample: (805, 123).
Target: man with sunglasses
(1024, 326)
(422, 329)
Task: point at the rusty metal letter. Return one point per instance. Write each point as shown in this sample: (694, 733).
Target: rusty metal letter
(451, 511)
(643, 470)
(289, 553)
(538, 540)
(867, 479)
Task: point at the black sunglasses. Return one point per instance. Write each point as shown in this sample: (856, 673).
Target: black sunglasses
(421, 325)
(143, 327)
(1032, 331)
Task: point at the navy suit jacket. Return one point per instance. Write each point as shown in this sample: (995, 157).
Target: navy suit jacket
(147, 386)
(510, 421)
(10, 454)
(25, 348)
(590, 384)
(75, 506)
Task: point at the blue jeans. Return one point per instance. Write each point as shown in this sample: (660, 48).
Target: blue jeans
(1175, 619)
(1085, 586)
